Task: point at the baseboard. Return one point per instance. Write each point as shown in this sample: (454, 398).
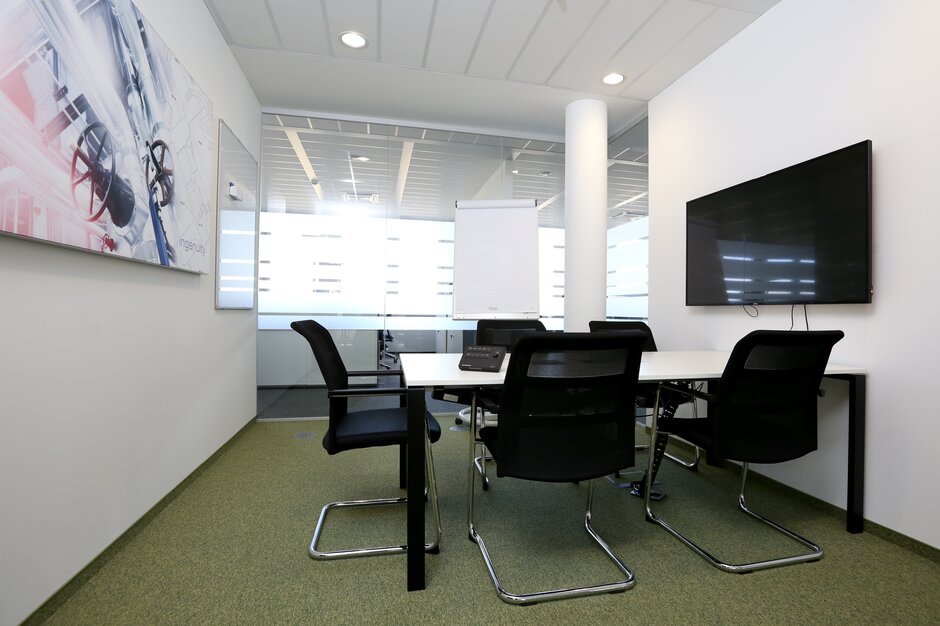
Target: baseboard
(882, 532)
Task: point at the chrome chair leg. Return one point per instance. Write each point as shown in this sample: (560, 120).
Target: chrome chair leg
(815, 553)
(693, 464)
(433, 546)
(554, 594)
(476, 422)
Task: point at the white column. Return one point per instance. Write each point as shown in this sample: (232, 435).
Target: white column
(585, 213)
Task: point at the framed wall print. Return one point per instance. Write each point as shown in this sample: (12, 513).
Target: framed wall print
(105, 139)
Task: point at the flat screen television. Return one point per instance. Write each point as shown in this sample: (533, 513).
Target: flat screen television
(801, 235)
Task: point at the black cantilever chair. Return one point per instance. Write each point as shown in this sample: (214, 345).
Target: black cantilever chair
(763, 412)
(565, 415)
(499, 332)
(349, 430)
(646, 395)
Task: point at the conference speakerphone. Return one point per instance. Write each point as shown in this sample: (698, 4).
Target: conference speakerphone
(482, 358)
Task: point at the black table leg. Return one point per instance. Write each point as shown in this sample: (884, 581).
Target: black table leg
(855, 493)
(416, 460)
(855, 500)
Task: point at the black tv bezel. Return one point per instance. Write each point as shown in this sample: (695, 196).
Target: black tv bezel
(866, 299)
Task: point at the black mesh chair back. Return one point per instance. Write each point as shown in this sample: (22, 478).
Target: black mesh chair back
(334, 374)
(646, 392)
(567, 406)
(604, 325)
(766, 401)
(366, 428)
(505, 333)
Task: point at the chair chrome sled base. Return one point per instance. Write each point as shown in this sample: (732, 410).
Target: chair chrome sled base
(555, 594)
(815, 553)
(433, 546)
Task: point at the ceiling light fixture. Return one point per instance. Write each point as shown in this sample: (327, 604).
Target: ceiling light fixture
(545, 173)
(613, 79)
(515, 171)
(353, 39)
(360, 158)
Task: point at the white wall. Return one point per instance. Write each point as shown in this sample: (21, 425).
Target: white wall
(117, 379)
(806, 78)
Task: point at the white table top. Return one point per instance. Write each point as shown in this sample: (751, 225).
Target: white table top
(440, 370)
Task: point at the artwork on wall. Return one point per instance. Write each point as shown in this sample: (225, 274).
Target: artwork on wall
(105, 140)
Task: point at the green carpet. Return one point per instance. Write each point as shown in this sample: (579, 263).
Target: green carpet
(231, 548)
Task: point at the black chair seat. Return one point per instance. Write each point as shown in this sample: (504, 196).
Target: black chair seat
(378, 427)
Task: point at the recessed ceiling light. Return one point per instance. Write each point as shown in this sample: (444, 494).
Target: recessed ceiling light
(515, 171)
(360, 158)
(353, 39)
(545, 173)
(613, 79)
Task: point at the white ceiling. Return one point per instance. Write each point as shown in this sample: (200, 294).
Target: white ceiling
(505, 67)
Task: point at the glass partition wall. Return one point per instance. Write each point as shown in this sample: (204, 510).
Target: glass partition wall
(357, 232)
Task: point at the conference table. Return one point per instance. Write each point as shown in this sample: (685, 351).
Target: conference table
(424, 371)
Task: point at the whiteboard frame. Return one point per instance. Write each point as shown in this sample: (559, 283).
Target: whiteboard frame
(496, 260)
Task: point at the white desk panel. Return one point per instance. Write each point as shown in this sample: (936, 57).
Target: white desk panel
(440, 370)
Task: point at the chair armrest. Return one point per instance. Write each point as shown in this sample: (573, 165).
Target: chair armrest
(688, 391)
(398, 373)
(367, 391)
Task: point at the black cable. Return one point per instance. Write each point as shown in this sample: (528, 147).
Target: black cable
(753, 306)
(806, 317)
(792, 306)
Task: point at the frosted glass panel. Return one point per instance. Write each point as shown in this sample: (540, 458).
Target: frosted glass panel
(628, 270)
(316, 265)
(420, 268)
(237, 219)
(552, 273)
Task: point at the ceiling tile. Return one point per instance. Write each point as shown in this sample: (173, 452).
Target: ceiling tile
(589, 60)
(301, 25)
(718, 28)
(454, 34)
(440, 135)
(331, 125)
(248, 23)
(294, 121)
(353, 127)
(509, 26)
(358, 15)
(404, 31)
(408, 132)
(558, 31)
(751, 6)
(674, 20)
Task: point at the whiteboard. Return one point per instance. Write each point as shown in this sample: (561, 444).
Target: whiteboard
(496, 259)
